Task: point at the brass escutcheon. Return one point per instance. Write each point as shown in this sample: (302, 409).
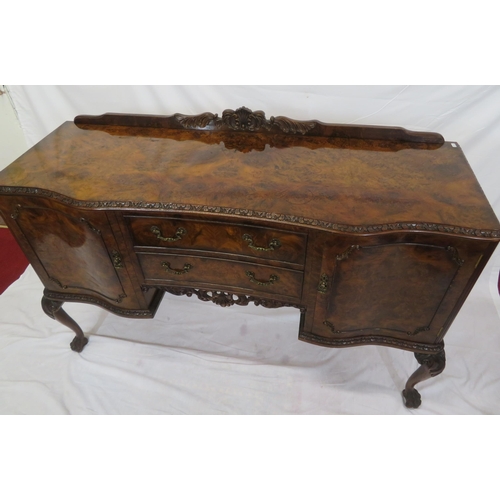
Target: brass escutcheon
(117, 260)
(323, 283)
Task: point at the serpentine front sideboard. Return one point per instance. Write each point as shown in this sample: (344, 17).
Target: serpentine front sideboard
(377, 234)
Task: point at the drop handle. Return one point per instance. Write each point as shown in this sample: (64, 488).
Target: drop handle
(178, 234)
(169, 269)
(272, 279)
(273, 244)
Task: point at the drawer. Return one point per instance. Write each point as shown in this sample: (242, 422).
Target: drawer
(209, 273)
(264, 243)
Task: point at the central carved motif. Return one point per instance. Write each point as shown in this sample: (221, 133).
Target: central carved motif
(224, 299)
(246, 120)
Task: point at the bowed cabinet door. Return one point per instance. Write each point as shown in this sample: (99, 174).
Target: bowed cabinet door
(73, 251)
(397, 290)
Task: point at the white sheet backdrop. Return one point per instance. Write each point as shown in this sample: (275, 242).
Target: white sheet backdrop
(197, 358)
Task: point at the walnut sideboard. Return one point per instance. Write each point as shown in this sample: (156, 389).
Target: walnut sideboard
(377, 234)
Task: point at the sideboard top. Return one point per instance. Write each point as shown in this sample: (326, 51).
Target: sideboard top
(340, 177)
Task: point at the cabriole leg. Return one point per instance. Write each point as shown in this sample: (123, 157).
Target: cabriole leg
(431, 365)
(53, 309)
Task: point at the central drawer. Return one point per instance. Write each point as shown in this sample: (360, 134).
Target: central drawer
(207, 272)
(238, 239)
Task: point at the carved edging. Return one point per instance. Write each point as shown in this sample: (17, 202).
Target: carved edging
(343, 332)
(371, 340)
(223, 299)
(65, 287)
(67, 297)
(246, 120)
(256, 214)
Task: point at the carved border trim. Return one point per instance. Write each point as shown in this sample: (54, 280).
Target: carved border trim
(257, 214)
(223, 299)
(412, 333)
(370, 340)
(72, 297)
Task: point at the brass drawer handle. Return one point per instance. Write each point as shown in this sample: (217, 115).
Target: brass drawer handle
(178, 234)
(273, 244)
(184, 270)
(272, 279)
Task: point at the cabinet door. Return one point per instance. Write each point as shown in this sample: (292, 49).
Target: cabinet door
(397, 287)
(73, 251)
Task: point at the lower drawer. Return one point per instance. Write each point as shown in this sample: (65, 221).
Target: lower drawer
(208, 272)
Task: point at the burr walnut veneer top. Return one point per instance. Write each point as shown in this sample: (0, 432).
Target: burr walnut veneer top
(337, 180)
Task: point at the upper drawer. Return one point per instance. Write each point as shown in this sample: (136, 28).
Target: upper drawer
(264, 243)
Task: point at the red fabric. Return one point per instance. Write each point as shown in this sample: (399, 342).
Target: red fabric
(13, 262)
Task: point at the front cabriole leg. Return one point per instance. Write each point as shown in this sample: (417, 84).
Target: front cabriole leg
(431, 365)
(53, 309)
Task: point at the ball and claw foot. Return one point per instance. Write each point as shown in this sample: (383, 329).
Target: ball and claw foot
(430, 366)
(78, 343)
(53, 309)
(411, 398)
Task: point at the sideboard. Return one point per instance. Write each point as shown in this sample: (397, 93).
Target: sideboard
(376, 234)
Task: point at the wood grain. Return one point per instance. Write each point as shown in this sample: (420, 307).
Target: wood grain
(286, 177)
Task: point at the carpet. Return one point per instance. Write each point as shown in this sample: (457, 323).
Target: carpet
(13, 262)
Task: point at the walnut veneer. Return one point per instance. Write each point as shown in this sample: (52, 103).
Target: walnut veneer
(376, 234)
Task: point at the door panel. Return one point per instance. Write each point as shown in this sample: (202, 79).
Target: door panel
(403, 288)
(71, 249)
